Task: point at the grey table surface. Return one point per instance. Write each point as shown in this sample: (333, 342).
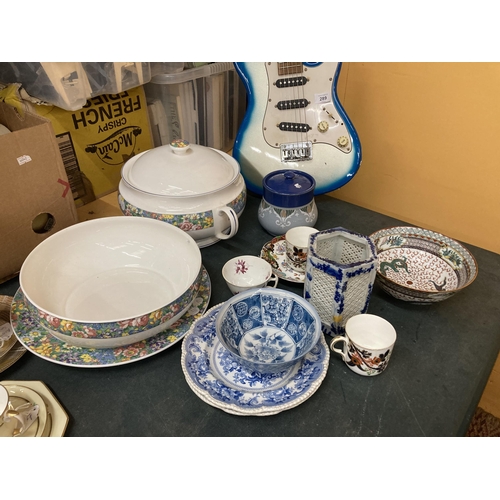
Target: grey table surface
(442, 360)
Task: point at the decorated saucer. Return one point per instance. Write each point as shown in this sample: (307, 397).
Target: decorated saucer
(18, 396)
(274, 252)
(41, 343)
(57, 418)
(216, 378)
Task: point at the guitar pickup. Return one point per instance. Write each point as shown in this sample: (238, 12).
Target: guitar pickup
(294, 127)
(292, 104)
(298, 151)
(298, 81)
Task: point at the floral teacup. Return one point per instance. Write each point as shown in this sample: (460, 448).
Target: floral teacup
(368, 344)
(248, 271)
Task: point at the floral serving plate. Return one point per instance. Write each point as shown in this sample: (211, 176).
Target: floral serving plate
(39, 341)
(274, 252)
(216, 378)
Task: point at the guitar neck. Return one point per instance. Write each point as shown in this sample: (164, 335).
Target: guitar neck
(289, 68)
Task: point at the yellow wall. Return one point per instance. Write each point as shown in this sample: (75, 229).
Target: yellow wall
(430, 137)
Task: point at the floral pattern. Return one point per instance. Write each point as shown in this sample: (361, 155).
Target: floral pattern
(217, 378)
(108, 330)
(274, 252)
(256, 313)
(367, 362)
(35, 338)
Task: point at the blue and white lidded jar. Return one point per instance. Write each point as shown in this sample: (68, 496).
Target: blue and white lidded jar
(287, 201)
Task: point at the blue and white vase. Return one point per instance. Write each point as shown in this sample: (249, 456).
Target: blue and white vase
(341, 268)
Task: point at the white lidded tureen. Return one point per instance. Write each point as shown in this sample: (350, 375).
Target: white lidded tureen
(197, 189)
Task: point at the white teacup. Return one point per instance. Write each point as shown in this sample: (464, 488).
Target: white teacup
(25, 414)
(368, 344)
(297, 244)
(248, 271)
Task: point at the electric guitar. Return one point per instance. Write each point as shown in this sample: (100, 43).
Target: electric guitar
(294, 120)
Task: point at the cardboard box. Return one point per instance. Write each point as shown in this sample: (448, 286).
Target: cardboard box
(99, 138)
(96, 140)
(35, 195)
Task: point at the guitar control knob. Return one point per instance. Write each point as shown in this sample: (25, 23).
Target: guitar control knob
(323, 126)
(343, 141)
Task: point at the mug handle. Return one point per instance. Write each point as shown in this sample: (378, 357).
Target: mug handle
(233, 220)
(336, 339)
(274, 280)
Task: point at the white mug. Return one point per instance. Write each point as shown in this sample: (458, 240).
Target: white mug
(368, 344)
(248, 271)
(297, 244)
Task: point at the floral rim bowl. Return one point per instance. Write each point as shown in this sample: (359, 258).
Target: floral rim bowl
(111, 282)
(422, 266)
(268, 330)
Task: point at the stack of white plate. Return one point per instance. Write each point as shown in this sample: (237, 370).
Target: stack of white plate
(52, 418)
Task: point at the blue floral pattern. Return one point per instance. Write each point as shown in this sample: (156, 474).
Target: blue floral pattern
(267, 328)
(217, 378)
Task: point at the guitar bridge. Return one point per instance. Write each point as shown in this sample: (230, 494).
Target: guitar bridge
(298, 151)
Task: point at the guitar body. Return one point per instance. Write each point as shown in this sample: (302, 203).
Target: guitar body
(295, 121)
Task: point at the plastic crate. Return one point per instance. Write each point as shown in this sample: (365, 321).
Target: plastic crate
(203, 105)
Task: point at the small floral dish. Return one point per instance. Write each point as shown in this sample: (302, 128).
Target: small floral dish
(421, 266)
(113, 281)
(274, 252)
(213, 375)
(268, 330)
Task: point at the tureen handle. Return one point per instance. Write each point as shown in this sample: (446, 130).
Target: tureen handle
(233, 220)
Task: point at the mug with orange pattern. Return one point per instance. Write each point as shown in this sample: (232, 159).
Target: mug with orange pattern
(368, 344)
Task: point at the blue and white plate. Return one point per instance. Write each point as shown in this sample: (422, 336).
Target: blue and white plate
(217, 379)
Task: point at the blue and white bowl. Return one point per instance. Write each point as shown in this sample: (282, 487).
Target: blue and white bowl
(268, 330)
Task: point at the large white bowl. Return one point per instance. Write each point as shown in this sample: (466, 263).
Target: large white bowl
(112, 281)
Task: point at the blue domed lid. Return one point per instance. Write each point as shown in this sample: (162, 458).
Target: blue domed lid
(288, 188)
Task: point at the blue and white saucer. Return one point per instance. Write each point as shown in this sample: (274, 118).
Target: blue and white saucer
(218, 380)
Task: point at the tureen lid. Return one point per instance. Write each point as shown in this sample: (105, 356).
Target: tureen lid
(180, 169)
(288, 188)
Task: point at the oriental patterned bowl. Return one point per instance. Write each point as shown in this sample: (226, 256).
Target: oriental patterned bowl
(421, 266)
(268, 330)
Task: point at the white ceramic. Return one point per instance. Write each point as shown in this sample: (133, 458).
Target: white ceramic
(340, 271)
(197, 189)
(268, 330)
(25, 414)
(112, 281)
(248, 271)
(368, 344)
(57, 418)
(4, 400)
(297, 243)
